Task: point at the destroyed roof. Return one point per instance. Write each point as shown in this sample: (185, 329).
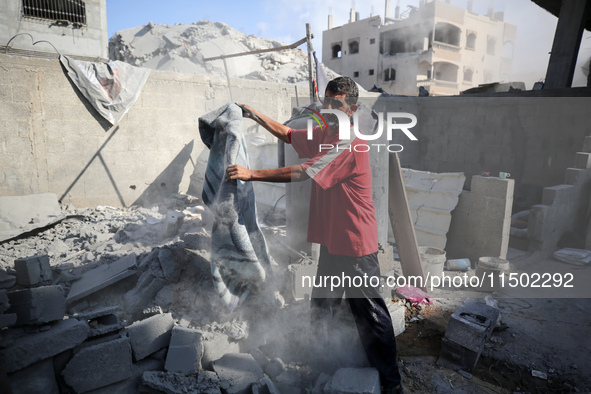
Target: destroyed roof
(182, 48)
(553, 7)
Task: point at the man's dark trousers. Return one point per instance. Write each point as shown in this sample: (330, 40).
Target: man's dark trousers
(369, 309)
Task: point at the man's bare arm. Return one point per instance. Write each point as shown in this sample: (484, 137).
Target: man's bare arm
(277, 129)
(293, 173)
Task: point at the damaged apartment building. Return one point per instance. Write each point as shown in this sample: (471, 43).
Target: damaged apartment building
(440, 47)
(106, 282)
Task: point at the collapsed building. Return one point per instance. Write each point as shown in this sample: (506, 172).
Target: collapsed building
(119, 296)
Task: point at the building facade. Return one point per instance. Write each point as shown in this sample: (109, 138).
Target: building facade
(72, 27)
(440, 47)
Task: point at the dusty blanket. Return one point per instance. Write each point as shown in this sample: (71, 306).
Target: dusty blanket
(239, 254)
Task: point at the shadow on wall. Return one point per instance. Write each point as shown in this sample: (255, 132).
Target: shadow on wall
(169, 180)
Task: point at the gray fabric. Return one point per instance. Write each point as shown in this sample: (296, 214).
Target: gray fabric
(112, 88)
(239, 254)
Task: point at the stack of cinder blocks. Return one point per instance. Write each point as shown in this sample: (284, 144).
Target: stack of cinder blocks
(481, 222)
(468, 330)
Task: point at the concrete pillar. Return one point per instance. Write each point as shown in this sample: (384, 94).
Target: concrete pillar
(329, 21)
(567, 41)
(387, 11)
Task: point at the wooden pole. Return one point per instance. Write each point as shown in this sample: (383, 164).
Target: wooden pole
(402, 225)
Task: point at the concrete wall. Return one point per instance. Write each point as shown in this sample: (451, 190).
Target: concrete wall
(534, 139)
(52, 140)
(90, 40)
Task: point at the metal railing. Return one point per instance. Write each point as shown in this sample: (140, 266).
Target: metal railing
(63, 12)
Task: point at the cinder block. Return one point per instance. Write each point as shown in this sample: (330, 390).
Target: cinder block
(558, 194)
(468, 330)
(471, 324)
(239, 370)
(583, 160)
(101, 321)
(36, 378)
(8, 320)
(493, 187)
(130, 385)
(38, 305)
(574, 176)
(297, 272)
(455, 356)
(99, 365)
(150, 335)
(185, 351)
(355, 381)
(32, 270)
(215, 345)
(29, 349)
(4, 303)
(397, 315)
(205, 382)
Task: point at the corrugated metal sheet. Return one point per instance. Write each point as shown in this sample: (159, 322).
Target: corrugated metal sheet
(431, 198)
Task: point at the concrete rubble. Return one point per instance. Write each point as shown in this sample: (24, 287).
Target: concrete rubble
(182, 48)
(145, 319)
(127, 307)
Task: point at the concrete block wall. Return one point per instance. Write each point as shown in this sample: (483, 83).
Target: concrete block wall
(52, 140)
(481, 222)
(564, 206)
(533, 138)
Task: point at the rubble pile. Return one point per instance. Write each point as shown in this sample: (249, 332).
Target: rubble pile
(182, 48)
(113, 300)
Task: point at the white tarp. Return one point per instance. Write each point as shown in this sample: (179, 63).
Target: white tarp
(112, 88)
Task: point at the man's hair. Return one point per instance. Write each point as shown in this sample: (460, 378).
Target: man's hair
(344, 85)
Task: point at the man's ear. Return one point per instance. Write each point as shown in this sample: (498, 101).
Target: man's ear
(354, 107)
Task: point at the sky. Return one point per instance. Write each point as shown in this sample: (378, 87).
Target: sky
(285, 20)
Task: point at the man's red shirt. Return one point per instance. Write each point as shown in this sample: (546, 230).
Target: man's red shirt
(342, 215)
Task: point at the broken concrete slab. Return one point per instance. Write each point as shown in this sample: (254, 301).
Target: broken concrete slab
(259, 357)
(21, 214)
(144, 292)
(32, 270)
(265, 386)
(150, 335)
(397, 313)
(102, 276)
(355, 381)
(170, 268)
(215, 345)
(239, 370)
(26, 350)
(102, 321)
(321, 381)
(206, 382)
(36, 378)
(185, 351)
(99, 365)
(38, 305)
(274, 368)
